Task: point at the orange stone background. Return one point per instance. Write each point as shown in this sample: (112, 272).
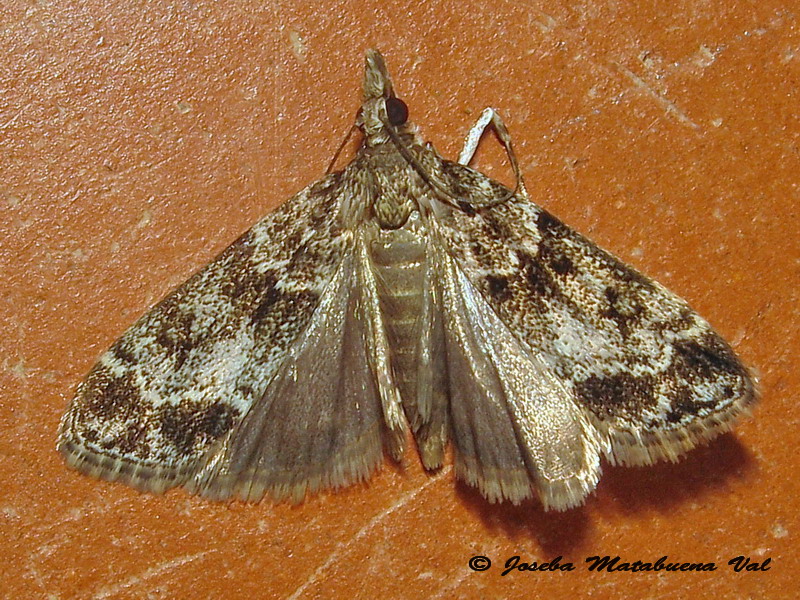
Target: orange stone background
(137, 140)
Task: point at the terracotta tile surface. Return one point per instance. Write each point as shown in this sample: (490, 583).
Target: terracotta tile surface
(139, 139)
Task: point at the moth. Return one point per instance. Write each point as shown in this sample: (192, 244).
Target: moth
(405, 291)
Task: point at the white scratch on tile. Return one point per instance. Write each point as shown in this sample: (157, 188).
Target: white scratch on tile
(155, 571)
(343, 547)
(669, 106)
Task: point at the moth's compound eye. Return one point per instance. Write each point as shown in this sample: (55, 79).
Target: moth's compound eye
(397, 111)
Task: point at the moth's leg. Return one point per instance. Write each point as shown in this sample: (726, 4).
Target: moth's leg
(490, 116)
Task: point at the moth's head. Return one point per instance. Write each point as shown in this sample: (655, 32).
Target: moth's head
(380, 108)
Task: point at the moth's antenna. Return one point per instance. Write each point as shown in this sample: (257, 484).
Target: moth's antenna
(339, 151)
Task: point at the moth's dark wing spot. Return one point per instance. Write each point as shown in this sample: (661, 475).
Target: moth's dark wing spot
(468, 186)
(684, 405)
(681, 322)
(176, 337)
(618, 394)
(188, 427)
(174, 426)
(112, 402)
(174, 329)
(276, 306)
(111, 398)
(483, 254)
(548, 225)
(247, 287)
(623, 309)
(217, 420)
(562, 265)
(271, 296)
(498, 228)
(540, 281)
(123, 352)
(555, 257)
(466, 208)
(707, 359)
(497, 287)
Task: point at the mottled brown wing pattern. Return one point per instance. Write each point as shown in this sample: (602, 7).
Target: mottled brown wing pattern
(653, 377)
(184, 377)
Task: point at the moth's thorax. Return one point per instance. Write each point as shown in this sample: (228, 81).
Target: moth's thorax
(394, 187)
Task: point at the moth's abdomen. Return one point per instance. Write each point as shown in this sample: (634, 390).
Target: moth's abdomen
(398, 257)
